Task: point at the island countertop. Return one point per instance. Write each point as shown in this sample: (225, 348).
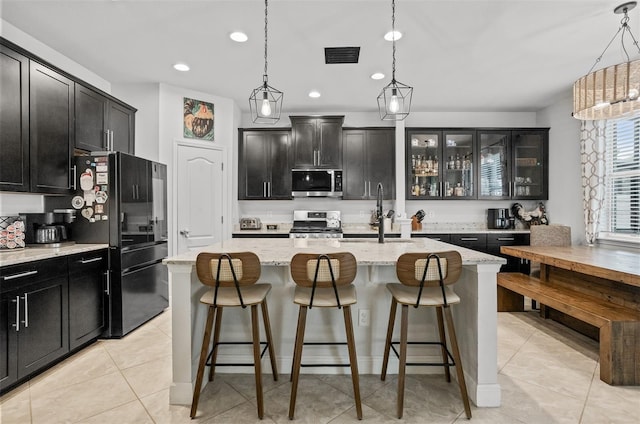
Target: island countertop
(278, 252)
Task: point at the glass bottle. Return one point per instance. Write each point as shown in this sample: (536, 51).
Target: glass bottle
(452, 163)
(467, 162)
(429, 165)
(458, 163)
(435, 165)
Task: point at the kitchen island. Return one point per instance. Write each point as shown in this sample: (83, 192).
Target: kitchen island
(475, 317)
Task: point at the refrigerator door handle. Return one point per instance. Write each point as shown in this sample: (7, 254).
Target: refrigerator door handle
(74, 178)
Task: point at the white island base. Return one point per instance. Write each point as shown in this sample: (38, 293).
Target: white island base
(475, 317)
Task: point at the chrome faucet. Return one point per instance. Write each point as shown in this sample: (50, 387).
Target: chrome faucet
(379, 214)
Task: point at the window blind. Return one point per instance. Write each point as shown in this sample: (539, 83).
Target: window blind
(622, 178)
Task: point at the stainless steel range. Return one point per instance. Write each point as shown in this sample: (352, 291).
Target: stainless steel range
(316, 224)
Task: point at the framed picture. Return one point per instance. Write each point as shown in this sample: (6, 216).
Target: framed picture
(198, 119)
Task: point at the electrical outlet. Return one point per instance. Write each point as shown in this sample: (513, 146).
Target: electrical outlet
(431, 214)
(364, 317)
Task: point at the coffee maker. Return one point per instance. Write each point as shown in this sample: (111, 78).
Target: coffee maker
(499, 219)
(48, 229)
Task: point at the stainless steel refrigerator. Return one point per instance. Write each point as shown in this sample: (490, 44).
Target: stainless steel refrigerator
(122, 200)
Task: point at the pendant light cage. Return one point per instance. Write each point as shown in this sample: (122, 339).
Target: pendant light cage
(394, 101)
(612, 92)
(265, 102)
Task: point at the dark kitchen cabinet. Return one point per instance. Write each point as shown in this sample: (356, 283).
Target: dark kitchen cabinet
(264, 170)
(102, 124)
(14, 120)
(135, 177)
(470, 241)
(495, 241)
(35, 331)
(88, 296)
(513, 164)
(369, 158)
(440, 163)
(51, 116)
(316, 141)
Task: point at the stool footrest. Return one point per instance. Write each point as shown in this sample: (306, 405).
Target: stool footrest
(451, 362)
(324, 365)
(232, 364)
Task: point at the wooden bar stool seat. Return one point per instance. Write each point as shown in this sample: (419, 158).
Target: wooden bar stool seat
(425, 280)
(232, 277)
(324, 281)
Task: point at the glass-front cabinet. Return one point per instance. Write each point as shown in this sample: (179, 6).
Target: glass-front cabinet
(440, 164)
(513, 164)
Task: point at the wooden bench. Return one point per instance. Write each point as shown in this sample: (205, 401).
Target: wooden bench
(618, 324)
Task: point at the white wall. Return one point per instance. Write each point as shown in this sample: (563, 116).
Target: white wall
(565, 180)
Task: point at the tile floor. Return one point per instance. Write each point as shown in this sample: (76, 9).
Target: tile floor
(548, 374)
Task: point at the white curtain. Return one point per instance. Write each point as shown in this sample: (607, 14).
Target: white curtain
(592, 152)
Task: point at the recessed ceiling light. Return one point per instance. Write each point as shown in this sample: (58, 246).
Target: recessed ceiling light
(389, 35)
(377, 76)
(314, 94)
(238, 36)
(183, 67)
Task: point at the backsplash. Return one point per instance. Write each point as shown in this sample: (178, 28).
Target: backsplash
(13, 203)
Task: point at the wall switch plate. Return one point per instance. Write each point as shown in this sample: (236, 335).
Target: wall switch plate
(364, 317)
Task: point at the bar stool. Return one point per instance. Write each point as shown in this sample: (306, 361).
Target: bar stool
(232, 277)
(425, 279)
(324, 281)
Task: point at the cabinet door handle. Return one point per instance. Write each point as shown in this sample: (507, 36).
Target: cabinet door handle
(269, 185)
(110, 140)
(20, 275)
(510, 185)
(17, 302)
(88, 261)
(506, 239)
(74, 178)
(26, 311)
(468, 238)
(108, 281)
(106, 140)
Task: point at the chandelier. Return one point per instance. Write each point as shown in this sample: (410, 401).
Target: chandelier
(610, 92)
(265, 101)
(394, 101)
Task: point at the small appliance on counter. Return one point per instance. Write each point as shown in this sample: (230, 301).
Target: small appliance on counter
(499, 219)
(48, 229)
(250, 224)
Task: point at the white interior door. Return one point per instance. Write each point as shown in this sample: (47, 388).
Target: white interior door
(199, 197)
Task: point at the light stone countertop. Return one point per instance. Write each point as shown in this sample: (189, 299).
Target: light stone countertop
(29, 254)
(278, 252)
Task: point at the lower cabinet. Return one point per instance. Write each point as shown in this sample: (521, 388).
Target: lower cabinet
(48, 308)
(494, 241)
(34, 312)
(88, 289)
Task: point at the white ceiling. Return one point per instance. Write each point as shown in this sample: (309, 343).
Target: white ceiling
(473, 55)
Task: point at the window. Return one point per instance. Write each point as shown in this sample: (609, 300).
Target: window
(621, 217)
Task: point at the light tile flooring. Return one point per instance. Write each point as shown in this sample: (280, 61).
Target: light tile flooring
(548, 374)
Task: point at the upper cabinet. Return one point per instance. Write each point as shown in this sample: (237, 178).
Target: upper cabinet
(102, 124)
(316, 141)
(14, 120)
(44, 114)
(264, 171)
(51, 115)
(440, 164)
(369, 156)
(514, 164)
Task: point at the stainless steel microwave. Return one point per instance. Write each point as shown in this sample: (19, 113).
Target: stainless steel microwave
(316, 183)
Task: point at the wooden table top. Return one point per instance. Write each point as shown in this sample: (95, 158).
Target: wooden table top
(613, 264)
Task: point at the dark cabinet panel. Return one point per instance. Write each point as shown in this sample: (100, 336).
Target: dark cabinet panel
(121, 124)
(494, 241)
(51, 114)
(101, 123)
(317, 141)
(87, 297)
(368, 159)
(91, 119)
(264, 171)
(14, 121)
(34, 310)
(470, 241)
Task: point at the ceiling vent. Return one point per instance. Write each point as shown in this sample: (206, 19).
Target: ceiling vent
(341, 55)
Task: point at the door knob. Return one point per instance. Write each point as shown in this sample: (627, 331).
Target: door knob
(184, 233)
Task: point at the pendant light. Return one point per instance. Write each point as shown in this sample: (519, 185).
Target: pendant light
(614, 91)
(394, 101)
(265, 101)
